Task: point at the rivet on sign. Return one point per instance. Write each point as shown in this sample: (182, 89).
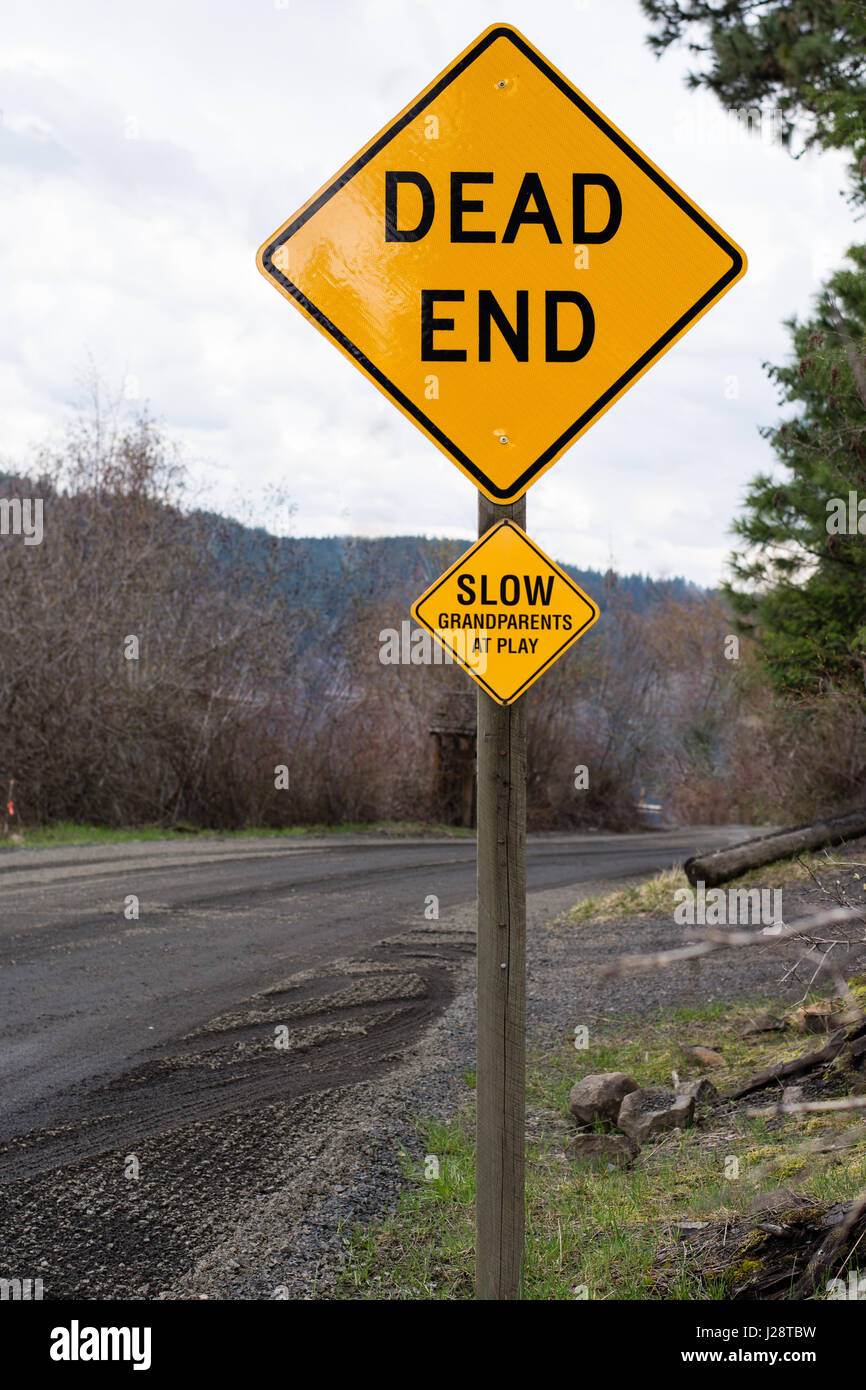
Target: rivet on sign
(503, 439)
(502, 82)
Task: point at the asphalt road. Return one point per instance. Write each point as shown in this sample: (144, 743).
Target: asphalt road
(231, 935)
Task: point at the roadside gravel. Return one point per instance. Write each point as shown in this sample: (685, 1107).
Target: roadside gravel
(343, 1152)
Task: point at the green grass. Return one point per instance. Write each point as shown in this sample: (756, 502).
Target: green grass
(656, 894)
(603, 1235)
(653, 895)
(74, 833)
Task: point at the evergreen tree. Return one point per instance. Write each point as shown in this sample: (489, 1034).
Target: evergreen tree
(803, 62)
(800, 582)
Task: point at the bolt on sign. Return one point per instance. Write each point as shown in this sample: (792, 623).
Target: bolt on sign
(502, 262)
(505, 612)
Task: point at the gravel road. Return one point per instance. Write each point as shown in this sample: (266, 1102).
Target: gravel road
(218, 1164)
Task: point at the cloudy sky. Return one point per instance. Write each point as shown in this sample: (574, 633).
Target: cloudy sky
(146, 150)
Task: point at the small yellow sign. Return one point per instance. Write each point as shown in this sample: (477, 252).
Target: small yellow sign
(505, 611)
(502, 262)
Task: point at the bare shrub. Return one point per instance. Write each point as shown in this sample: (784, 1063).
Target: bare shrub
(132, 661)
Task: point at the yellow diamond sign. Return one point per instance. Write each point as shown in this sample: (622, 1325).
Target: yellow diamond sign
(502, 262)
(505, 611)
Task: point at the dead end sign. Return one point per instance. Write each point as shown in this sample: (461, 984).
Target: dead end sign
(502, 262)
(505, 612)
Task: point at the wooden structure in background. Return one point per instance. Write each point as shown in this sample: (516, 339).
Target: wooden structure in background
(453, 727)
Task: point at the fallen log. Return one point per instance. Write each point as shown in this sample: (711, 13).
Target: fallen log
(850, 1043)
(785, 1248)
(724, 864)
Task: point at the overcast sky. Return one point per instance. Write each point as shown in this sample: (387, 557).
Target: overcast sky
(147, 149)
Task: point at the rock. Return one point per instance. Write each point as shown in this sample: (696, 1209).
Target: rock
(813, 1018)
(599, 1096)
(777, 1200)
(652, 1109)
(602, 1150)
(703, 1091)
(792, 1094)
(704, 1056)
(761, 1023)
(824, 1016)
(689, 1230)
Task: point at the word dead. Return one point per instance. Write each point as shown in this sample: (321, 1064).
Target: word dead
(568, 318)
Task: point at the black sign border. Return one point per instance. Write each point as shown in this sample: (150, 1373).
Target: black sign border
(520, 485)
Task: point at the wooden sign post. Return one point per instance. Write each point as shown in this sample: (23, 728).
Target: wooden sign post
(500, 1080)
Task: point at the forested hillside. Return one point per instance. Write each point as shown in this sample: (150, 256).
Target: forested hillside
(161, 664)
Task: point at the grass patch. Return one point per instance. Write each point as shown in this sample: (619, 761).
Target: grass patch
(605, 1235)
(653, 895)
(656, 894)
(74, 833)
